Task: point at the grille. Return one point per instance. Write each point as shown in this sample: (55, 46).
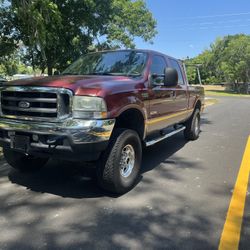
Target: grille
(37, 104)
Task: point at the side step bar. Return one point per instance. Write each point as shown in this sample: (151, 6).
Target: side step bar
(150, 143)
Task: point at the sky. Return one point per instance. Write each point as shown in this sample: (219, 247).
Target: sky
(187, 27)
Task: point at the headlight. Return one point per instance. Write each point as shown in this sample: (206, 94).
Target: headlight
(89, 107)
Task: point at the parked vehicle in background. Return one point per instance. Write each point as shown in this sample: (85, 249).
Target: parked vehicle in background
(3, 80)
(104, 107)
(21, 76)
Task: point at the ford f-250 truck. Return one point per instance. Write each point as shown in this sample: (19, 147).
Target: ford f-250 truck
(104, 107)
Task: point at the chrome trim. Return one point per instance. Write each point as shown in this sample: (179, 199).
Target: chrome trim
(47, 100)
(33, 89)
(42, 110)
(150, 143)
(76, 130)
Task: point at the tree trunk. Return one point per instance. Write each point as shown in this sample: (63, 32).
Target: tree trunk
(50, 70)
(236, 87)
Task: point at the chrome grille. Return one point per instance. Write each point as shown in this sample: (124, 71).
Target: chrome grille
(35, 103)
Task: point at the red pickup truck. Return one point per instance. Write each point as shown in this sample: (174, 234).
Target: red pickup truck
(104, 108)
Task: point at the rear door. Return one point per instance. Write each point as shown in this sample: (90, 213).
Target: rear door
(181, 90)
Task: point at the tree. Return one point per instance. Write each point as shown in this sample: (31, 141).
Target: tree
(237, 58)
(204, 62)
(227, 60)
(8, 34)
(55, 32)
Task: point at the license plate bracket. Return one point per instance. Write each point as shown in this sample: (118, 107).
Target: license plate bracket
(19, 142)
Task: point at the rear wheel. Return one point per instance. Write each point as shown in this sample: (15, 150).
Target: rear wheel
(192, 130)
(119, 166)
(23, 162)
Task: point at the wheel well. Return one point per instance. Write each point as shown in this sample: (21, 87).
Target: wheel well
(198, 105)
(131, 119)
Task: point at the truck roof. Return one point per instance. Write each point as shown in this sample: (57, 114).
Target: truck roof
(140, 50)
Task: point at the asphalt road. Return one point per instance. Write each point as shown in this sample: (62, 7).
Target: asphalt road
(180, 202)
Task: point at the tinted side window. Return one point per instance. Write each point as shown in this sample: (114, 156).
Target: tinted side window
(158, 65)
(176, 66)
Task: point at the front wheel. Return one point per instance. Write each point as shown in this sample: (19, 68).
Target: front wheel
(192, 130)
(119, 166)
(23, 162)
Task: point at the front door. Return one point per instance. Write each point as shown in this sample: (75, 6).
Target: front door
(162, 99)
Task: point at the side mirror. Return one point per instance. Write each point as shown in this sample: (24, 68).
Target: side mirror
(56, 73)
(170, 77)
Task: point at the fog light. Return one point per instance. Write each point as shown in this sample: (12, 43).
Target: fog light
(35, 137)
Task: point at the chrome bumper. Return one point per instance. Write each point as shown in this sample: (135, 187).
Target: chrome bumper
(75, 130)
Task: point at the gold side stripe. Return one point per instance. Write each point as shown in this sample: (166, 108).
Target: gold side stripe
(155, 120)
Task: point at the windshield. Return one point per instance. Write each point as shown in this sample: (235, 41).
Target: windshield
(127, 63)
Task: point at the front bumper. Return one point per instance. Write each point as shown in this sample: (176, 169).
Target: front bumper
(73, 139)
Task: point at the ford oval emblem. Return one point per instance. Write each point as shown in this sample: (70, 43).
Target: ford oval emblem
(24, 104)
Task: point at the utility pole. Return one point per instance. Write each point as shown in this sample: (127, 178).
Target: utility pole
(198, 72)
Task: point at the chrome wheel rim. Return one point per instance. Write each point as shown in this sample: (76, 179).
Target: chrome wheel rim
(197, 126)
(127, 161)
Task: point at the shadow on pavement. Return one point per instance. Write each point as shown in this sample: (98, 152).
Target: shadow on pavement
(143, 218)
(124, 228)
(204, 120)
(71, 179)
(245, 229)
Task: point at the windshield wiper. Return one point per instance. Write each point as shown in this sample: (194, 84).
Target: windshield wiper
(113, 74)
(70, 74)
(101, 73)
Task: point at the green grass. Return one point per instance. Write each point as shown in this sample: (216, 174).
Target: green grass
(223, 93)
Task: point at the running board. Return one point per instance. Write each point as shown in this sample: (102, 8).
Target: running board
(150, 143)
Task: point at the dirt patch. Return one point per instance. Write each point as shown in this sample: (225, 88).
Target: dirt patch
(214, 87)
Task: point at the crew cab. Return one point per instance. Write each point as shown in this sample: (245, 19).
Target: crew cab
(103, 108)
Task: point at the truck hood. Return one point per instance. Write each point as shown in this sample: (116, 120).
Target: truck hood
(82, 85)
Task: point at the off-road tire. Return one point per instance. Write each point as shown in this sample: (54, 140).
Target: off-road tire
(22, 162)
(109, 167)
(192, 131)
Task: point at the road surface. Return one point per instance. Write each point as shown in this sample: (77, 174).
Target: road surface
(181, 201)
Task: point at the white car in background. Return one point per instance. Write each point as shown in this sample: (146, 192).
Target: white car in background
(21, 76)
(3, 80)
